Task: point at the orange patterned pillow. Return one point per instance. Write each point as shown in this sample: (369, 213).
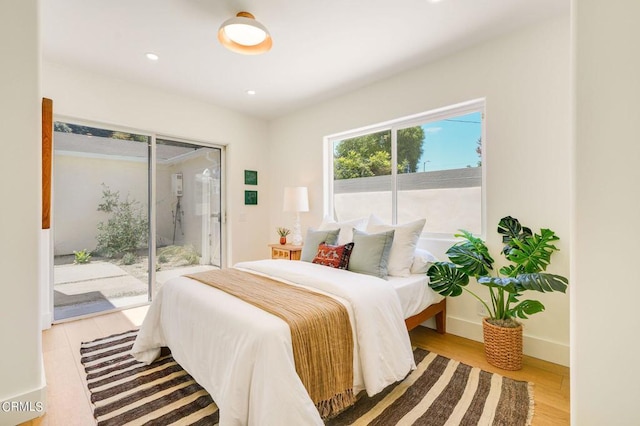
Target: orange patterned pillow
(334, 256)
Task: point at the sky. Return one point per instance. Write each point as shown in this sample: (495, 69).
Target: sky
(451, 143)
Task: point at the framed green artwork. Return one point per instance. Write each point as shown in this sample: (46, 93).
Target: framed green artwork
(250, 177)
(251, 197)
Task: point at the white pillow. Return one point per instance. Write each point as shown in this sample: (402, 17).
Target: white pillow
(346, 228)
(404, 244)
(422, 261)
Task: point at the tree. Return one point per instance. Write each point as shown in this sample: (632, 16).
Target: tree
(370, 155)
(410, 148)
(380, 163)
(129, 137)
(60, 126)
(350, 166)
(479, 152)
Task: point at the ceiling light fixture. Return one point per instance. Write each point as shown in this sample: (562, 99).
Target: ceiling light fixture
(251, 92)
(152, 56)
(243, 34)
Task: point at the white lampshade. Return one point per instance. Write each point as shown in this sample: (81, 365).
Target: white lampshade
(296, 199)
(243, 34)
(246, 35)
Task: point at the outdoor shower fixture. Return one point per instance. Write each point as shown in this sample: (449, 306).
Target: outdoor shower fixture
(176, 189)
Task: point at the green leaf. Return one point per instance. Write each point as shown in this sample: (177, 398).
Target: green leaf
(509, 271)
(511, 229)
(525, 308)
(542, 282)
(471, 255)
(510, 285)
(513, 297)
(447, 279)
(533, 254)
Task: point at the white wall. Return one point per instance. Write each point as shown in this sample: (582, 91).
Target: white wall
(604, 368)
(21, 372)
(525, 80)
(79, 181)
(84, 95)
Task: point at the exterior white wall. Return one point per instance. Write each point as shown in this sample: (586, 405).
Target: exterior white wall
(190, 204)
(525, 78)
(416, 204)
(21, 370)
(87, 96)
(605, 373)
(79, 180)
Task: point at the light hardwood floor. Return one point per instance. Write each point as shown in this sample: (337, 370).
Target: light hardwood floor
(68, 398)
(551, 381)
(68, 402)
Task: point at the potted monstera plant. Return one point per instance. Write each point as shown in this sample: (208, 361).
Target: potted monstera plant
(529, 255)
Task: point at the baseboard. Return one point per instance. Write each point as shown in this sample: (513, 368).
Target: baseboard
(25, 407)
(46, 279)
(47, 320)
(547, 350)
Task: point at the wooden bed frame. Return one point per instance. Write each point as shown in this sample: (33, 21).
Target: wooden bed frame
(439, 310)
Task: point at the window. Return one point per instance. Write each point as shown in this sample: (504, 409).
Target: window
(437, 172)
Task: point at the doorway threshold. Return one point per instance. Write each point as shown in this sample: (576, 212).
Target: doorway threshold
(97, 307)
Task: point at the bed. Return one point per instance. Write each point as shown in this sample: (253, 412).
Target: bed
(242, 356)
(419, 303)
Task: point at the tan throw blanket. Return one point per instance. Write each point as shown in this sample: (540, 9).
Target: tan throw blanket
(320, 332)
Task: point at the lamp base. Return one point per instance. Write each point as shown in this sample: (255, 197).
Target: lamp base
(296, 236)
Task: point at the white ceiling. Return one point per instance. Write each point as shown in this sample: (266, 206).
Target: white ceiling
(321, 48)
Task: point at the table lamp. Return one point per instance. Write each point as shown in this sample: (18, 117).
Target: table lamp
(296, 199)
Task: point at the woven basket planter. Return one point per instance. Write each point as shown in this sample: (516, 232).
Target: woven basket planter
(503, 346)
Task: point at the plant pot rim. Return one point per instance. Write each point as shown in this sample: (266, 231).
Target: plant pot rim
(485, 320)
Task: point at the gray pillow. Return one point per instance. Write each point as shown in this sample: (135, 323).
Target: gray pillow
(370, 253)
(314, 239)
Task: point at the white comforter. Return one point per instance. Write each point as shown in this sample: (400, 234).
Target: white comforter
(242, 355)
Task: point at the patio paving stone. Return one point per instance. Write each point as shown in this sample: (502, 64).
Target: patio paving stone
(90, 271)
(109, 287)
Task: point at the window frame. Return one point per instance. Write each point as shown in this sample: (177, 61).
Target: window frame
(420, 119)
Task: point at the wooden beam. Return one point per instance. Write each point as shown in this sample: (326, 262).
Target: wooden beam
(47, 139)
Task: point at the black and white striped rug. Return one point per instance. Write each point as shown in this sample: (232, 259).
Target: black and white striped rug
(440, 391)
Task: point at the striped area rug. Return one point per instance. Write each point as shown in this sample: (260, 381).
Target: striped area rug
(440, 391)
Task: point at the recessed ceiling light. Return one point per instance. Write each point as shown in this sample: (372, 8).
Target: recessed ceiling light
(250, 92)
(152, 56)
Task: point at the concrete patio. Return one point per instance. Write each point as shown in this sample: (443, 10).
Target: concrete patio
(82, 289)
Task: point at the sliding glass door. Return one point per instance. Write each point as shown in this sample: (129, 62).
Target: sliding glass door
(100, 219)
(112, 244)
(188, 208)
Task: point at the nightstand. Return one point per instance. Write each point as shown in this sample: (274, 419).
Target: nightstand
(286, 251)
